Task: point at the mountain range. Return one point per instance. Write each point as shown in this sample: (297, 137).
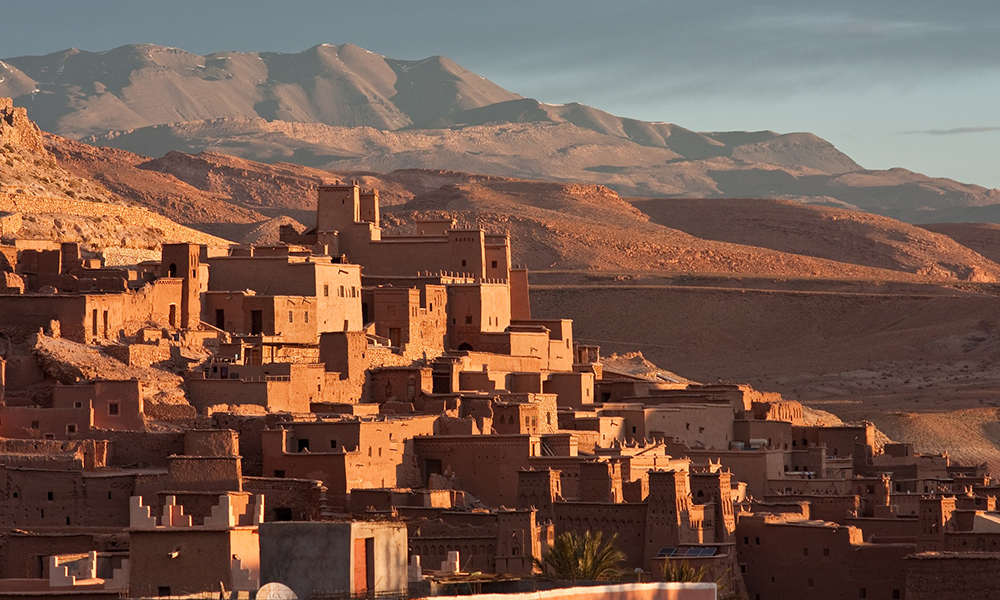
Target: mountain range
(344, 108)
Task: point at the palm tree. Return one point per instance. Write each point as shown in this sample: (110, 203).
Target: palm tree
(683, 572)
(587, 557)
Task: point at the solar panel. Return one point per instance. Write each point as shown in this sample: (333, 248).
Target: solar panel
(688, 552)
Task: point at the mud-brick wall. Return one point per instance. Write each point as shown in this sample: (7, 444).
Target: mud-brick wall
(946, 576)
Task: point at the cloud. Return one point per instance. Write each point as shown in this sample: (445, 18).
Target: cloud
(953, 131)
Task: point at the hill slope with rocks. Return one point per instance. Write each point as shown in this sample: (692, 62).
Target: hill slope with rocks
(344, 108)
(39, 199)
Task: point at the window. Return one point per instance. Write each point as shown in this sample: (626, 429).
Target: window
(326, 289)
(826, 552)
(78, 405)
(51, 496)
(862, 593)
(463, 263)
(746, 541)
(468, 319)
(71, 429)
(757, 541)
(342, 294)
(805, 552)
(290, 317)
(895, 595)
(307, 316)
(810, 583)
(279, 473)
(333, 444)
(34, 424)
(494, 264)
(113, 409)
(633, 429)
(303, 444)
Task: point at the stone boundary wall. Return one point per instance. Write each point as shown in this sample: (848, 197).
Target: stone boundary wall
(172, 231)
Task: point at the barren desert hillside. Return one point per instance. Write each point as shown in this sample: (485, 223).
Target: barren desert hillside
(39, 199)
(344, 108)
(555, 225)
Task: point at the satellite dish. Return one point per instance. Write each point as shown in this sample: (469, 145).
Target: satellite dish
(276, 591)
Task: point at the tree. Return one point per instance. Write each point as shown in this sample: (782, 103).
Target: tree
(587, 557)
(683, 572)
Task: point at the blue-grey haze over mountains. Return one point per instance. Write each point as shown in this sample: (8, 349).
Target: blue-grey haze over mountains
(892, 83)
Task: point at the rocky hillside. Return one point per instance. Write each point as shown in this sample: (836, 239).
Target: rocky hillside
(80, 93)
(555, 225)
(344, 108)
(39, 199)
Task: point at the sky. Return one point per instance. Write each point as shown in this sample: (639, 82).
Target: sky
(911, 83)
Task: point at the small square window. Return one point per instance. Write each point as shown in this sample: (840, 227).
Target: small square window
(494, 264)
(113, 409)
(34, 425)
(71, 429)
(51, 496)
(78, 405)
(826, 552)
(468, 319)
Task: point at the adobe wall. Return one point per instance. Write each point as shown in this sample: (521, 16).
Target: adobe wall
(839, 441)
(43, 498)
(317, 558)
(628, 521)
(202, 561)
(301, 499)
(699, 426)
(23, 554)
(775, 434)
(754, 467)
(142, 449)
(348, 454)
(53, 423)
(810, 559)
(951, 576)
(485, 466)
(275, 396)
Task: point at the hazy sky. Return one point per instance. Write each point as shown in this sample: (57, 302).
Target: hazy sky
(911, 83)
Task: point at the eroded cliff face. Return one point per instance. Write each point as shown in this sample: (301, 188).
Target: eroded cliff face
(17, 131)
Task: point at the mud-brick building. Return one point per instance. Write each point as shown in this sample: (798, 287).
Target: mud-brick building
(347, 453)
(323, 294)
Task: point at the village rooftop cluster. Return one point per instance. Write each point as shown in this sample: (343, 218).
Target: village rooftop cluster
(386, 411)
